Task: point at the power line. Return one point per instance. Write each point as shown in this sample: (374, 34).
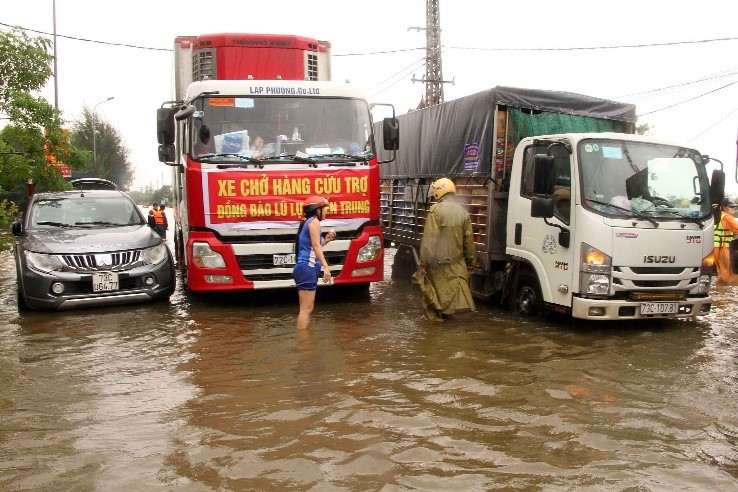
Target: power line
(413, 66)
(379, 52)
(687, 100)
(125, 45)
(472, 48)
(719, 75)
(579, 48)
(713, 125)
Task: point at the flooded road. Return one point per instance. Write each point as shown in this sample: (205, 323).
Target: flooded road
(224, 394)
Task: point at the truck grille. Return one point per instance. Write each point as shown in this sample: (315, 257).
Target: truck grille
(266, 262)
(654, 278)
(121, 260)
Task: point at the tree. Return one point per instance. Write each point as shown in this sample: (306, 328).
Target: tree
(111, 157)
(150, 195)
(643, 129)
(35, 125)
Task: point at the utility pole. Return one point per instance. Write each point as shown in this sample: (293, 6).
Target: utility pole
(433, 78)
(56, 70)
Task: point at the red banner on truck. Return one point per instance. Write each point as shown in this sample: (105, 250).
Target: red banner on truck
(238, 196)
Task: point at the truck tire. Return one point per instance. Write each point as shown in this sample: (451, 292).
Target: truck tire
(179, 249)
(527, 299)
(403, 266)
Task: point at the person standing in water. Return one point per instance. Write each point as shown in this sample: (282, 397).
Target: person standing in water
(309, 249)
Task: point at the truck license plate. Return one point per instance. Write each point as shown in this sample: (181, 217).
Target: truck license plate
(659, 307)
(104, 281)
(284, 259)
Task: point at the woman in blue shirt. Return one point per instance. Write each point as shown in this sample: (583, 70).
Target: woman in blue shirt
(308, 246)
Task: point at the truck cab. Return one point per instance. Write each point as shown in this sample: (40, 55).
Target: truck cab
(610, 226)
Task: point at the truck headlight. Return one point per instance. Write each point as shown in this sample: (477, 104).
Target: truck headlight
(706, 269)
(595, 272)
(155, 255)
(370, 251)
(204, 257)
(44, 263)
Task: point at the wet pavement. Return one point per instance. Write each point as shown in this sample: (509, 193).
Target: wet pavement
(222, 393)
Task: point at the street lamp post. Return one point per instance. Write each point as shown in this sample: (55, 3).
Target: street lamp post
(94, 134)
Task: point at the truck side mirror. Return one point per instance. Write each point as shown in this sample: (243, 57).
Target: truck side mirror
(185, 112)
(543, 169)
(541, 207)
(391, 133)
(16, 228)
(166, 153)
(165, 125)
(717, 187)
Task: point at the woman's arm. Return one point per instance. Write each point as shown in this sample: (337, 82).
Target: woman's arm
(314, 230)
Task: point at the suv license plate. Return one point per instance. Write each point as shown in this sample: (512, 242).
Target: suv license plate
(284, 259)
(104, 281)
(659, 307)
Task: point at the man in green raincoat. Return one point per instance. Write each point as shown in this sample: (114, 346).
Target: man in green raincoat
(447, 255)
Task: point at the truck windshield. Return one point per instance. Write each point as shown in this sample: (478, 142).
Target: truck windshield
(625, 178)
(233, 128)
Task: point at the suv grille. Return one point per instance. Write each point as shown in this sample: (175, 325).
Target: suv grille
(121, 260)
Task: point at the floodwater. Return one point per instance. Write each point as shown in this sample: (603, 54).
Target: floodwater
(222, 393)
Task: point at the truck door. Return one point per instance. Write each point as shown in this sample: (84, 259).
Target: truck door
(538, 241)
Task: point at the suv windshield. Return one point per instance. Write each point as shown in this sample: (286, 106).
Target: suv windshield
(84, 211)
(233, 128)
(621, 178)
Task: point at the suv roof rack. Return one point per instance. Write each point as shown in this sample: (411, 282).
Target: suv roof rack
(93, 184)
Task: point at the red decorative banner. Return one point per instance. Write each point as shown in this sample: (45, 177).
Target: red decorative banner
(238, 196)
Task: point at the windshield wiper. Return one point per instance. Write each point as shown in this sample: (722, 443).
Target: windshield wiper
(299, 158)
(230, 154)
(349, 157)
(695, 220)
(633, 212)
(54, 224)
(100, 223)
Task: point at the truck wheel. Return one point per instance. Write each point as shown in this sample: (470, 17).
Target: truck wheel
(404, 264)
(527, 299)
(179, 250)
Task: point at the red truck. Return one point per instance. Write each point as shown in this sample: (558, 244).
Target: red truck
(254, 128)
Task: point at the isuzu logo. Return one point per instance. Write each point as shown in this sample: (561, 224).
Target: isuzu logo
(659, 259)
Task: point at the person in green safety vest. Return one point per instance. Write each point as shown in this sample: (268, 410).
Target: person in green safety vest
(724, 231)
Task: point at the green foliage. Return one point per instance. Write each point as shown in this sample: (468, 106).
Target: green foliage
(8, 213)
(111, 158)
(34, 123)
(149, 196)
(25, 68)
(22, 157)
(643, 129)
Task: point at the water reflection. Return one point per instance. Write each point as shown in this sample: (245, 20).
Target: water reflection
(221, 392)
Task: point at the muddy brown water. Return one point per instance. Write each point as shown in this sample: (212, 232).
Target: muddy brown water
(222, 393)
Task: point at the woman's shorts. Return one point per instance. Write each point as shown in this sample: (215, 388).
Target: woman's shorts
(306, 277)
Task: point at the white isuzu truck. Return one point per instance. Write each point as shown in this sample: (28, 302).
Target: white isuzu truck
(572, 212)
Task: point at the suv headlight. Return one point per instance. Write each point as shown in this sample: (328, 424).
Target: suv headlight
(370, 251)
(43, 263)
(595, 272)
(204, 257)
(155, 255)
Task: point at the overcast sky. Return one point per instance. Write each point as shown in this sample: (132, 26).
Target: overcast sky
(519, 44)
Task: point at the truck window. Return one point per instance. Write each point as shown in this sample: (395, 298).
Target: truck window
(562, 179)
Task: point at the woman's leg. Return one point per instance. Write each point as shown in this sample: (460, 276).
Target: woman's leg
(307, 303)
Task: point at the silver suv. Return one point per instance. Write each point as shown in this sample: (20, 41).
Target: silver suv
(88, 247)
